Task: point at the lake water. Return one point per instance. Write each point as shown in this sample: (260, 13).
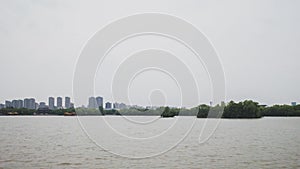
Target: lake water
(148, 142)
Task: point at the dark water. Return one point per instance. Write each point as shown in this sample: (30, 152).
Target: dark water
(60, 142)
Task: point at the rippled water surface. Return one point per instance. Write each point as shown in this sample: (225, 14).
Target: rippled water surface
(60, 142)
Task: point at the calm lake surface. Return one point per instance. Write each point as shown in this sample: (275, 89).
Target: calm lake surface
(114, 142)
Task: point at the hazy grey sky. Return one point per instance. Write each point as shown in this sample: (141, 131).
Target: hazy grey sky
(257, 42)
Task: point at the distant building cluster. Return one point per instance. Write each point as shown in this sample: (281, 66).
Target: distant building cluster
(96, 102)
(30, 103)
(57, 103)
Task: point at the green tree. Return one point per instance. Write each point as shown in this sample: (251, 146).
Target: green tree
(203, 110)
(101, 109)
(167, 112)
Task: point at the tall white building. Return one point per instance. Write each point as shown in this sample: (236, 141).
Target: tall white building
(14, 103)
(8, 104)
(29, 103)
(26, 103)
(59, 102)
(20, 104)
(51, 103)
(2, 106)
(67, 102)
(108, 105)
(32, 104)
(92, 103)
(99, 101)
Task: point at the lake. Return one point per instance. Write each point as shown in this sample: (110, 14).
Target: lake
(148, 142)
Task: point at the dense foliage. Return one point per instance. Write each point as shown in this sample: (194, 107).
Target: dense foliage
(170, 112)
(24, 111)
(246, 109)
(281, 110)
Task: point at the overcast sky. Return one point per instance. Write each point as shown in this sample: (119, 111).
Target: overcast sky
(257, 42)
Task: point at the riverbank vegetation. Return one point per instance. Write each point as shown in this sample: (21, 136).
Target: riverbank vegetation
(245, 109)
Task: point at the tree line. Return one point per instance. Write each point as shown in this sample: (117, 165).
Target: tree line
(43, 111)
(244, 109)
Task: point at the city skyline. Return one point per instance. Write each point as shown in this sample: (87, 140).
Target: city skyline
(59, 102)
(92, 102)
(32, 103)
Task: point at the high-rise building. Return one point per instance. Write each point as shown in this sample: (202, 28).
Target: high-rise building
(67, 102)
(20, 104)
(8, 104)
(59, 102)
(29, 103)
(119, 105)
(116, 105)
(17, 104)
(51, 103)
(14, 103)
(99, 101)
(122, 106)
(2, 106)
(32, 104)
(72, 105)
(108, 105)
(36, 105)
(92, 103)
(26, 103)
(294, 103)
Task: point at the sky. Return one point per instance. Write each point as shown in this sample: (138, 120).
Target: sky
(257, 42)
